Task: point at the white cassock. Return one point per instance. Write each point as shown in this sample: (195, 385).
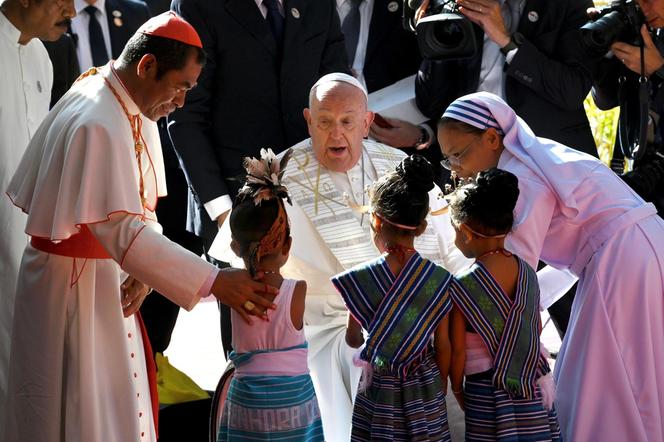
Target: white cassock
(25, 93)
(78, 367)
(328, 238)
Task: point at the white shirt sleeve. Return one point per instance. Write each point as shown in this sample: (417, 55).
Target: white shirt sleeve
(510, 55)
(218, 206)
(154, 260)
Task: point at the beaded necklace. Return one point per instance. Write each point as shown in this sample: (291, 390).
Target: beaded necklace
(135, 123)
(499, 250)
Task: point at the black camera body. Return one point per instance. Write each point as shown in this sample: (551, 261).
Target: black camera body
(443, 33)
(647, 177)
(620, 21)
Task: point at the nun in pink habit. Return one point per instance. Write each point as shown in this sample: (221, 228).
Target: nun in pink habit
(575, 214)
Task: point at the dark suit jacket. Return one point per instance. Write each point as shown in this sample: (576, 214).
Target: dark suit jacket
(249, 95)
(546, 84)
(62, 53)
(133, 13)
(158, 6)
(392, 52)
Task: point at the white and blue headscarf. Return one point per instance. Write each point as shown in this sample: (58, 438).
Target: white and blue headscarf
(559, 166)
(474, 113)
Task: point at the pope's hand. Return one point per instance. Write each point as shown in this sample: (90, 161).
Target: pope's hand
(133, 293)
(236, 289)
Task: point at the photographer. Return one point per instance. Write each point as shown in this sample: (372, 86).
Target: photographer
(528, 51)
(647, 175)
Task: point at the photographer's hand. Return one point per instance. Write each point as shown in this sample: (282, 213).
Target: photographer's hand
(630, 55)
(486, 14)
(421, 11)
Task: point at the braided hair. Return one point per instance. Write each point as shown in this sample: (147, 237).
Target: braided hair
(402, 196)
(487, 203)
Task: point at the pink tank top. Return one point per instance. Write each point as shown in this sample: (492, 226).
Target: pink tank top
(279, 333)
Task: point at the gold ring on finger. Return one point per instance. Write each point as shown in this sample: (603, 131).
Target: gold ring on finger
(249, 306)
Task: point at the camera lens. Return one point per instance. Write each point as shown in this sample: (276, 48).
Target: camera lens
(448, 34)
(598, 36)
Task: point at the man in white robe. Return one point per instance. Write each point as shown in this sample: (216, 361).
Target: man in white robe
(326, 176)
(25, 93)
(89, 182)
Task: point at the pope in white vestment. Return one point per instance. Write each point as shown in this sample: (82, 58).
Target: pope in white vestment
(25, 93)
(329, 237)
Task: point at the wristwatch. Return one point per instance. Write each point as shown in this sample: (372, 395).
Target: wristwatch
(515, 41)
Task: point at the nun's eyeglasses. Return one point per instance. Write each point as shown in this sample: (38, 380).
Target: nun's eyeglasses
(455, 159)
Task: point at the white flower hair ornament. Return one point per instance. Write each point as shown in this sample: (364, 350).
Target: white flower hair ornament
(264, 176)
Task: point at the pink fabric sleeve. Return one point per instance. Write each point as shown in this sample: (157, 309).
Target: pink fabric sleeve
(154, 260)
(533, 213)
(206, 288)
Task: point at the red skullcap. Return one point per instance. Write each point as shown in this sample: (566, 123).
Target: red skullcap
(172, 26)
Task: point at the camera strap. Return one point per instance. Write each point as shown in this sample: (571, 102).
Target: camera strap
(631, 148)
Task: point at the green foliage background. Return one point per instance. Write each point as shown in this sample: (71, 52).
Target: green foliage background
(604, 125)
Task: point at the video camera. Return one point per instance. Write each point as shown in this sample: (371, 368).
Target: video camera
(443, 32)
(620, 21)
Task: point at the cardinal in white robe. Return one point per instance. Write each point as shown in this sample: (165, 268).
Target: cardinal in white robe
(89, 183)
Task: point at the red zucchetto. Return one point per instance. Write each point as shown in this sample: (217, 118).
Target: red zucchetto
(172, 26)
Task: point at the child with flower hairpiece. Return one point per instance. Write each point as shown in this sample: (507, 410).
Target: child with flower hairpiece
(271, 396)
(401, 300)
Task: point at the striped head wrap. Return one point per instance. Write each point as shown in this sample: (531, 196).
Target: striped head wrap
(473, 112)
(555, 164)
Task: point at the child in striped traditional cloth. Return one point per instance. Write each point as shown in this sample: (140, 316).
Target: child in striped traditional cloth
(401, 299)
(271, 396)
(496, 325)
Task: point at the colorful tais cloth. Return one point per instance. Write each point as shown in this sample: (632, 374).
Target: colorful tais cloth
(271, 395)
(505, 402)
(263, 407)
(405, 399)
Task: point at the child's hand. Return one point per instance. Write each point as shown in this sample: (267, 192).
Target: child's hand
(458, 394)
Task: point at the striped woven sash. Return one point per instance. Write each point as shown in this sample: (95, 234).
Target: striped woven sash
(509, 328)
(399, 313)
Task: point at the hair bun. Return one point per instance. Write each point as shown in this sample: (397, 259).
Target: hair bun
(417, 172)
(498, 187)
